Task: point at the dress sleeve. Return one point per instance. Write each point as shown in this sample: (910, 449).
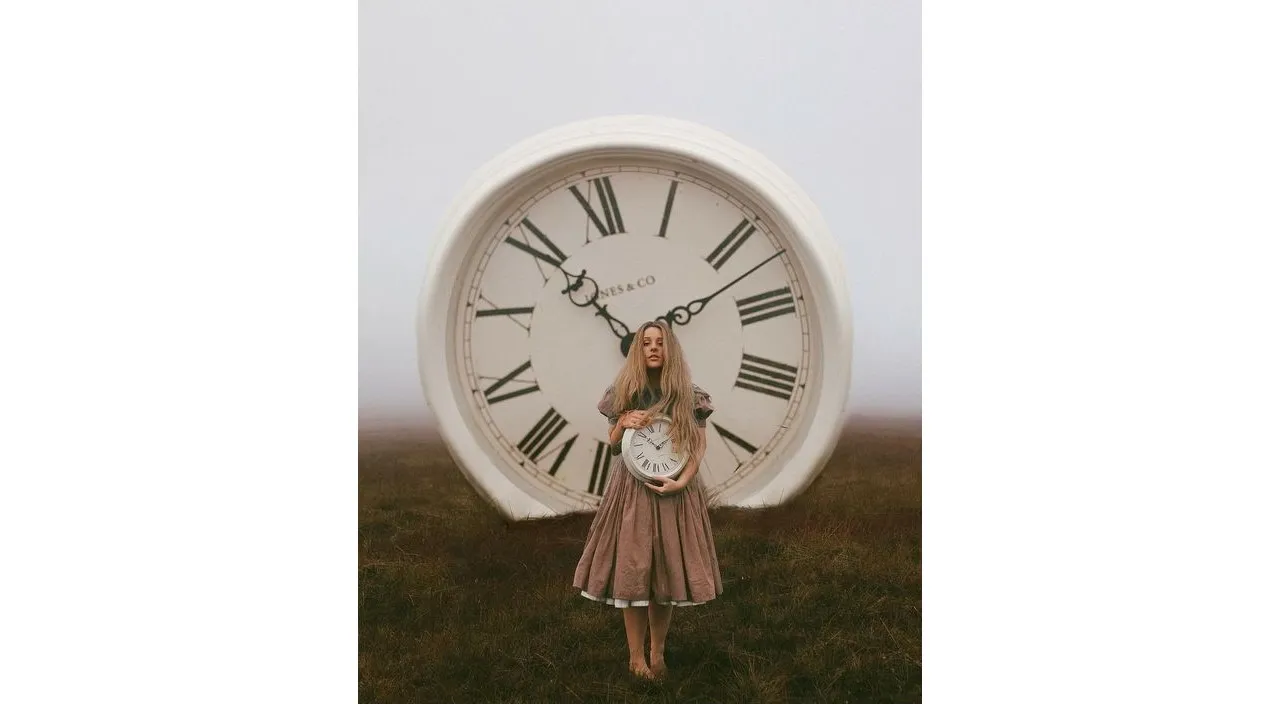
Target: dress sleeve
(606, 409)
(702, 406)
(606, 406)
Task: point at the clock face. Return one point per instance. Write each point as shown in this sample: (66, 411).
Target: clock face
(573, 263)
(648, 451)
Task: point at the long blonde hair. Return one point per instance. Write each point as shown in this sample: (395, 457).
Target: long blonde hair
(675, 383)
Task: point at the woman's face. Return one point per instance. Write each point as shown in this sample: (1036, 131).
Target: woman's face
(654, 352)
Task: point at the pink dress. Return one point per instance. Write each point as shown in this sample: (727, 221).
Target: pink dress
(643, 547)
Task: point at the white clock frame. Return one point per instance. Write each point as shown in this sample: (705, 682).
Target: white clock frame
(707, 150)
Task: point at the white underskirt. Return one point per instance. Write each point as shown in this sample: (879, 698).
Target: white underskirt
(623, 603)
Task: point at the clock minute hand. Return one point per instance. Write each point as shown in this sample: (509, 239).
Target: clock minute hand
(681, 315)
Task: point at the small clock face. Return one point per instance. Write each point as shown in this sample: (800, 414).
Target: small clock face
(648, 451)
(573, 264)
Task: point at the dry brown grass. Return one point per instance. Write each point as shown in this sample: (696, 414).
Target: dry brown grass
(821, 602)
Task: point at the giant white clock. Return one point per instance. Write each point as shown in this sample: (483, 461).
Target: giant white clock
(559, 248)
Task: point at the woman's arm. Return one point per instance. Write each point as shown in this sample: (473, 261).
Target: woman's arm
(639, 419)
(615, 434)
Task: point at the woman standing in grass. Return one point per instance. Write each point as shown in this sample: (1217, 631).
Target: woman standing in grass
(650, 546)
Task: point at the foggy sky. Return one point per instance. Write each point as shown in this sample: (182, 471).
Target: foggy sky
(830, 93)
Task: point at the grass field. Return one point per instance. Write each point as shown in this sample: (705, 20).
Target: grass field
(821, 601)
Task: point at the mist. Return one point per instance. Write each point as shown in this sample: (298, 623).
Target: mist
(830, 93)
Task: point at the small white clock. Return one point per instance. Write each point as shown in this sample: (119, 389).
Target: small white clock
(648, 452)
(558, 249)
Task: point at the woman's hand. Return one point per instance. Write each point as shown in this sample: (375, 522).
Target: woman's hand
(634, 419)
(665, 486)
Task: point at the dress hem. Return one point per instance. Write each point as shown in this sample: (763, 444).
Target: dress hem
(625, 603)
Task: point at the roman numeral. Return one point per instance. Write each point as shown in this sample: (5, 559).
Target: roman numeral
(480, 313)
(600, 469)
(736, 440)
(612, 222)
(767, 376)
(493, 395)
(730, 244)
(666, 212)
(535, 442)
(564, 451)
(727, 437)
(769, 304)
(495, 311)
(552, 255)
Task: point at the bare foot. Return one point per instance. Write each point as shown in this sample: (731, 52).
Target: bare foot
(658, 664)
(641, 670)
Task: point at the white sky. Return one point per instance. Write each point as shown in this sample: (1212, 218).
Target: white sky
(830, 93)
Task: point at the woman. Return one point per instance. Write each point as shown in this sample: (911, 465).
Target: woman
(650, 546)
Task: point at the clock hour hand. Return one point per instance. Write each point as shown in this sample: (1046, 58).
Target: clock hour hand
(580, 287)
(681, 315)
(647, 439)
